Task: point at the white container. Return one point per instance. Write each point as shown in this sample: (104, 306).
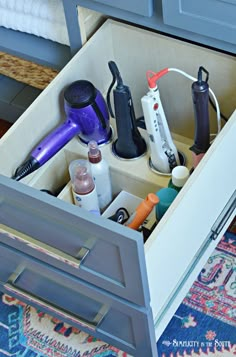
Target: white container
(130, 203)
(101, 175)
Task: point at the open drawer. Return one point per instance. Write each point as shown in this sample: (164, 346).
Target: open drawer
(92, 249)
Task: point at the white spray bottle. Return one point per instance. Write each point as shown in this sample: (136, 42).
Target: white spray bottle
(83, 186)
(101, 175)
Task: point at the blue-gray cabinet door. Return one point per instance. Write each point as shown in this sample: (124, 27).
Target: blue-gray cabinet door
(212, 18)
(78, 303)
(140, 7)
(95, 249)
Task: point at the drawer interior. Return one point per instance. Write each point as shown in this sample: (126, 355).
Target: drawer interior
(133, 176)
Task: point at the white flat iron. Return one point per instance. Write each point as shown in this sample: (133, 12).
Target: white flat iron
(164, 155)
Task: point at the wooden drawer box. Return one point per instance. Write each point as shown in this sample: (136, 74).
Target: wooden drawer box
(143, 7)
(152, 277)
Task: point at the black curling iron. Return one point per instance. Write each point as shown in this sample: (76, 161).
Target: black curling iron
(129, 144)
(200, 97)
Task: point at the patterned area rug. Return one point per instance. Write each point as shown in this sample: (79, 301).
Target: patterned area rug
(29, 333)
(204, 324)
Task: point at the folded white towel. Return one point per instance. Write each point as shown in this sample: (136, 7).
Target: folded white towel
(46, 9)
(37, 26)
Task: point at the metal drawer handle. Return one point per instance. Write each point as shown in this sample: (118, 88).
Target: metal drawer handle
(223, 217)
(44, 248)
(92, 325)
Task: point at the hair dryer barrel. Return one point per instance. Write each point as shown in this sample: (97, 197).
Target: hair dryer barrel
(55, 141)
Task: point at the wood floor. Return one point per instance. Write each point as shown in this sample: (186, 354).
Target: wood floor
(21, 81)
(15, 98)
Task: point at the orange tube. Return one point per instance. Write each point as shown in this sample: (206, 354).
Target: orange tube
(153, 77)
(143, 210)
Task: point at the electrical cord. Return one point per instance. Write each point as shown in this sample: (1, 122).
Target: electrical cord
(202, 69)
(215, 104)
(214, 107)
(218, 116)
(141, 122)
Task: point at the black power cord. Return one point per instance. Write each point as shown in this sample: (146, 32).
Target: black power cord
(141, 122)
(214, 107)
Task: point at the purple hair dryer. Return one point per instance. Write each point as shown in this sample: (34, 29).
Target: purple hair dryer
(86, 116)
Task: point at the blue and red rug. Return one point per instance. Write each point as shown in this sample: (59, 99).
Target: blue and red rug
(204, 324)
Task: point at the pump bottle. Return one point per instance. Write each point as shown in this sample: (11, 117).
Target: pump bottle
(83, 186)
(101, 175)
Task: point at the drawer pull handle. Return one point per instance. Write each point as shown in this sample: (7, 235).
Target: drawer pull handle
(223, 217)
(44, 248)
(92, 325)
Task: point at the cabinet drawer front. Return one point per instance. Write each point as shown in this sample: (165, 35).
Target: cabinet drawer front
(142, 7)
(92, 248)
(210, 18)
(75, 302)
(188, 233)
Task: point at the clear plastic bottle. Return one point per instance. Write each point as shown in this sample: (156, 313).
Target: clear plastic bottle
(83, 186)
(101, 175)
(179, 174)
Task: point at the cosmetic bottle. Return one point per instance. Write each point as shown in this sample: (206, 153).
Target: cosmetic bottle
(101, 175)
(166, 196)
(179, 174)
(142, 211)
(83, 186)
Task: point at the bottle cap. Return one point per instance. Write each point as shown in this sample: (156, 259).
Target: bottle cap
(94, 154)
(142, 211)
(81, 178)
(180, 174)
(151, 200)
